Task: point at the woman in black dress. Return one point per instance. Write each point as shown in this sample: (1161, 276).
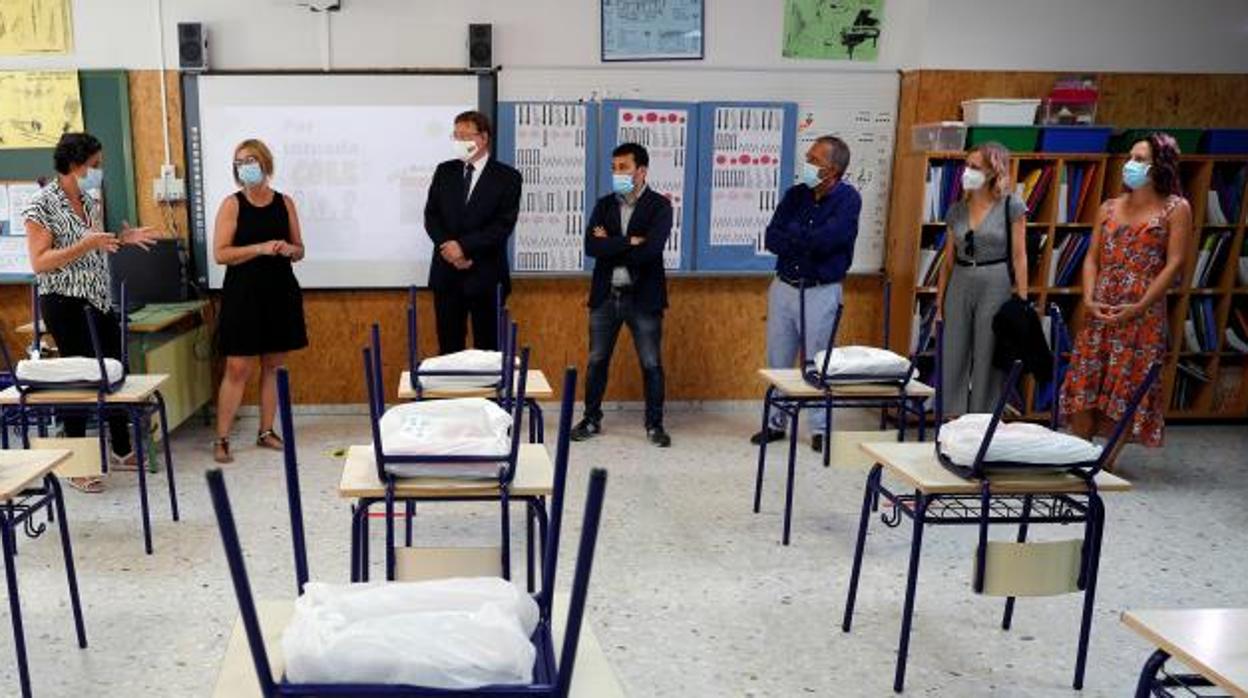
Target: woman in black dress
(257, 238)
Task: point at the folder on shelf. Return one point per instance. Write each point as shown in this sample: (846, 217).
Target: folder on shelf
(1063, 194)
(1085, 186)
(1213, 209)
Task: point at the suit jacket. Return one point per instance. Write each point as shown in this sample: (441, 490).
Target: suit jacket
(481, 225)
(652, 220)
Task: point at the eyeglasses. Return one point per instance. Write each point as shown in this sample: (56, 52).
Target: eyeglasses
(246, 161)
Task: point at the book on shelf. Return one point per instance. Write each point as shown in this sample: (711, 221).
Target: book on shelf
(1190, 339)
(1203, 335)
(1076, 181)
(1235, 342)
(1068, 259)
(1213, 210)
(1187, 381)
(1214, 250)
(1243, 263)
(942, 187)
(1033, 187)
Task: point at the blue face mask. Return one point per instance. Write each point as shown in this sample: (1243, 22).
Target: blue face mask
(810, 175)
(93, 179)
(622, 183)
(1135, 174)
(250, 174)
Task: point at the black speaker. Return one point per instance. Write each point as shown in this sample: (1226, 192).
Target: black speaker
(192, 46)
(480, 45)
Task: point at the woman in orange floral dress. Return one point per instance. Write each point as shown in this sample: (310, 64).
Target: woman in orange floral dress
(1135, 255)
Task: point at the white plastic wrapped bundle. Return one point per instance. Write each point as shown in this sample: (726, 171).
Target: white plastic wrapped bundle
(449, 633)
(1016, 442)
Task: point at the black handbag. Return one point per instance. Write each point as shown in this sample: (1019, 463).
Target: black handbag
(1016, 326)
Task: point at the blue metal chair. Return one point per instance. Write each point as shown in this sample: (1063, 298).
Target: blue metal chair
(138, 413)
(507, 463)
(553, 668)
(507, 338)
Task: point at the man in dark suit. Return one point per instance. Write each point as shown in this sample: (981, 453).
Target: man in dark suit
(471, 210)
(626, 235)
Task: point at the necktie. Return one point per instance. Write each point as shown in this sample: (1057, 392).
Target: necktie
(468, 170)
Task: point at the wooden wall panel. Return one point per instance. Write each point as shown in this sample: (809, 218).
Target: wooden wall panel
(149, 148)
(713, 336)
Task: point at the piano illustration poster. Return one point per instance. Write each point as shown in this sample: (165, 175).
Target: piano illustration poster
(841, 30)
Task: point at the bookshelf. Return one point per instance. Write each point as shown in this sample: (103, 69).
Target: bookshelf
(1206, 367)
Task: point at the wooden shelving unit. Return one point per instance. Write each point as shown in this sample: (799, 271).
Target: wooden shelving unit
(1223, 396)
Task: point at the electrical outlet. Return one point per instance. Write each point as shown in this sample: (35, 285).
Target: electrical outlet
(168, 187)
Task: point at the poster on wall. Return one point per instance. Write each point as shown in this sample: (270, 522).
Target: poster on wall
(668, 131)
(652, 30)
(36, 107)
(842, 30)
(14, 257)
(869, 135)
(35, 26)
(550, 144)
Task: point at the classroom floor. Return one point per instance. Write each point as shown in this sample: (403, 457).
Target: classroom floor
(692, 594)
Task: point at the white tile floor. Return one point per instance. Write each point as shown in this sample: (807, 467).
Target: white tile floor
(692, 593)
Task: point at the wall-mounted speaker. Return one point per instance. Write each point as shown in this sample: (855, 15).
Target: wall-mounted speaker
(480, 45)
(192, 46)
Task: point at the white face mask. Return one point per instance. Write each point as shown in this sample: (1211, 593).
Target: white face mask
(464, 150)
(973, 179)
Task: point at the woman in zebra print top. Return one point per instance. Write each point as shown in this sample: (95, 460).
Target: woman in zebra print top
(69, 250)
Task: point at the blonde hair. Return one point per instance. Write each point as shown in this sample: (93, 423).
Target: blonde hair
(264, 157)
(996, 167)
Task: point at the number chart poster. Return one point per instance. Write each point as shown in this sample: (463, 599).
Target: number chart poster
(550, 144)
(746, 157)
(668, 130)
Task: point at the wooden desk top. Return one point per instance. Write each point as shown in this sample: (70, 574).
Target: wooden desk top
(19, 468)
(790, 383)
(1213, 642)
(591, 678)
(916, 464)
(535, 388)
(137, 388)
(535, 477)
(153, 317)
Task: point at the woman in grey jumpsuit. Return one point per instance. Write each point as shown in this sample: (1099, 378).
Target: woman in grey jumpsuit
(975, 281)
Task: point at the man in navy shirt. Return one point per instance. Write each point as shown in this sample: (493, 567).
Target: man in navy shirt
(812, 234)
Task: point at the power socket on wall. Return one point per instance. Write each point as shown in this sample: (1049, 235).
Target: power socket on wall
(168, 187)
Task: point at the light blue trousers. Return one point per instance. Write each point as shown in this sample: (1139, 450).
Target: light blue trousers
(784, 332)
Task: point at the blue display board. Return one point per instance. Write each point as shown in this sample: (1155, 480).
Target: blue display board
(745, 164)
(669, 131)
(553, 145)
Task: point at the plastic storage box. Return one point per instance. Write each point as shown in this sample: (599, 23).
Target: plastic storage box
(1074, 139)
(1188, 138)
(1001, 112)
(943, 136)
(1019, 139)
(1225, 141)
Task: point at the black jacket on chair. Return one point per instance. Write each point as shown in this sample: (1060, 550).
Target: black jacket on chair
(481, 225)
(1020, 336)
(652, 220)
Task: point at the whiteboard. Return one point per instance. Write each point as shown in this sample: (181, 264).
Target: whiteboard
(860, 106)
(356, 153)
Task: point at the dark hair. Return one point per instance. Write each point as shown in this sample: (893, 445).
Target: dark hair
(74, 149)
(641, 157)
(1165, 169)
(838, 153)
(477, 119)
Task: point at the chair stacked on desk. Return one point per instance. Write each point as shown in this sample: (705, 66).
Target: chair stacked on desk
(814, 386)
(986, 492)
(555, 663)
(136, 395)
(411, 387)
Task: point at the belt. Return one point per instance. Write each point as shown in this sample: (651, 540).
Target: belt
(802, 283)
(973, 263)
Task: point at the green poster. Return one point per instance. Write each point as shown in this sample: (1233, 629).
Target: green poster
(833, 29)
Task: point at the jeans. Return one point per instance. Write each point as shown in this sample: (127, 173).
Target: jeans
(784, 332)
(647, 330)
